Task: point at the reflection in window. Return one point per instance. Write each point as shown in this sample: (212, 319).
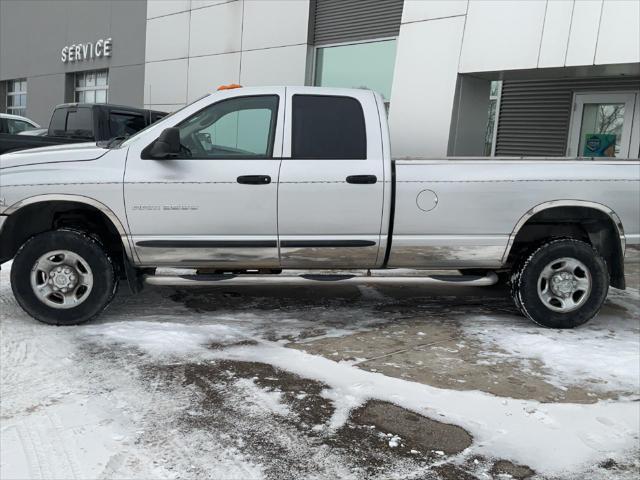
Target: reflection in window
(492, 117)
(601, 129)
(242, 127)
(361, 65)
(17, 97)
(92, 86)
(16, 126)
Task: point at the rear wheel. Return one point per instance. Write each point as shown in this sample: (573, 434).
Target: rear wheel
(63, 277)
(561, 284)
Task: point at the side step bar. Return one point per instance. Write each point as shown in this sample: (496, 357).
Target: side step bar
(246, 279)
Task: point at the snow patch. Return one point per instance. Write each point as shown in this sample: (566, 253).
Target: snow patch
(584, 433)
(261, 400)
(604, 353)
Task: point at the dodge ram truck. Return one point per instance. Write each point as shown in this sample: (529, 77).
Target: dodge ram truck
(246, 182)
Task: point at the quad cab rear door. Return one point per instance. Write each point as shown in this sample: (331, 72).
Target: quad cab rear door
(331, 187)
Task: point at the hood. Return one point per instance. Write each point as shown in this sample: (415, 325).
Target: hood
(67, 152)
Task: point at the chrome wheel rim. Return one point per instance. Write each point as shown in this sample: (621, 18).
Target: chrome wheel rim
(564, 285)
(61, 279)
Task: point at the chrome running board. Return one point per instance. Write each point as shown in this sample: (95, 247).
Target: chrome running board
(247, 279)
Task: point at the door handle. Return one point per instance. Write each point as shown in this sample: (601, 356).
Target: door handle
(362, 179)
(254, 179)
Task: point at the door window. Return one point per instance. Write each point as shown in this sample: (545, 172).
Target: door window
(603, 125)
(242, 127)
(125, 124)
(17, 126)
(328, 127)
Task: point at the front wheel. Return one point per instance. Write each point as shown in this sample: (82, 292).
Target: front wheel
(63, 277)
(562, 284)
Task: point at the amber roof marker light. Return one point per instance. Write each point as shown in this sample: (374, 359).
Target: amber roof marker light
(229, 87)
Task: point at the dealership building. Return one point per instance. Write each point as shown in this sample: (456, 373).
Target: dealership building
(460, 77)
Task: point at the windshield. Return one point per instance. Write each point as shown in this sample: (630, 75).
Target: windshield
(133, 137)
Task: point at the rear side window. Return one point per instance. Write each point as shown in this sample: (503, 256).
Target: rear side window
(125, 124)
(58, 123)
(328, 127)
(79, 122)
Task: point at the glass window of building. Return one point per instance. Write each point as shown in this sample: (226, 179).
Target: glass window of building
(360, 65)
(92, 86)
(17, 96)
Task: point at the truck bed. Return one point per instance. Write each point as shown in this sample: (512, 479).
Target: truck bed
(451, 217)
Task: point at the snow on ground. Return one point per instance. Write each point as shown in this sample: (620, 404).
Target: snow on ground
(583, 433)
(604, 352)
(78, 402)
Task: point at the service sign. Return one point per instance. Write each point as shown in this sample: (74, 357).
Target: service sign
(79, 52)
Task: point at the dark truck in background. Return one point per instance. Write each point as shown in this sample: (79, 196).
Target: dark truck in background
(84, 122)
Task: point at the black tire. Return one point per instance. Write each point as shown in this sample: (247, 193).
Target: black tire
(524, 283)
(104, 285)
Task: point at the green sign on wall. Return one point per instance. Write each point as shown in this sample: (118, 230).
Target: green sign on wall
(599, 145)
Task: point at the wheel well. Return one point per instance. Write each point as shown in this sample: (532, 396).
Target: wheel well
(582, 223)
(40, 217)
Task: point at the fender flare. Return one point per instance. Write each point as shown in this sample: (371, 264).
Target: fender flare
(564, 203)
(54, 197)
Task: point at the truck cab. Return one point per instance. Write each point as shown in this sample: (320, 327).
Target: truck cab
(277, 178)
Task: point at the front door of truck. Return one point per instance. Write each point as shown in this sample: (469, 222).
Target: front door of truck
(215, 204)
(330, 199)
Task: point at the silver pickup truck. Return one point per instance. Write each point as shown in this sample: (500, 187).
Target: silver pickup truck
(255, 180)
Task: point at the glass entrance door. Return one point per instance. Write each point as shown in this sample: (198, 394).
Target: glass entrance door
(604, 125)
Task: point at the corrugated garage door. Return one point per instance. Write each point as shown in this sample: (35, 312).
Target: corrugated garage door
(338, 21)
(535, 114)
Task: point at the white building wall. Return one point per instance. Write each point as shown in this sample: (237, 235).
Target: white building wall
(193, 46)
(502, 35)
(424, 86)
(619, 33)
(555, 34)
(440, 39)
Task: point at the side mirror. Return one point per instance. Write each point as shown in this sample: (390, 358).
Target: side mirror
(167, 145)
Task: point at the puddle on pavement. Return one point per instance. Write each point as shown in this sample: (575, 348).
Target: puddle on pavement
(417, 433)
